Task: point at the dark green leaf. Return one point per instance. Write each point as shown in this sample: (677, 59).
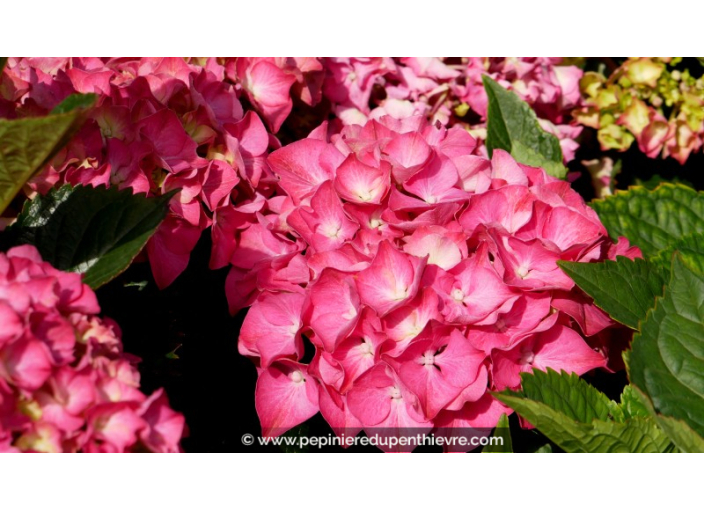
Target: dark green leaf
(578, 418)
(26, 145)
(667, 358)
(625, 289)
(94, 231)
(502, 431)
(565, 393)
(678, 431)
(656, 180)
(75, 101)
(681, 434)
(638, 435)
(513, 126)
(3, 61)
(652, 220)
(689, 247)
(632, 404)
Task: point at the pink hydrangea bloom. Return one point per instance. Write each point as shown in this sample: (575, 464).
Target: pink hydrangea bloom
(422, 275)
(450, 91)
(65, 384)
(167, 123)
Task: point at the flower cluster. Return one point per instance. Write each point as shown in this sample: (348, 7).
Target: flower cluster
(421, 274)
(648, 101)
(162, 124)
(450, 91)
(65, 384)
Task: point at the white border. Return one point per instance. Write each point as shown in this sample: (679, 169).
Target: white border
(290, 482)
(247, 27)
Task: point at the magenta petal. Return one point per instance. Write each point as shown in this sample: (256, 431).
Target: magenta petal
(333, 307)
(298, 166)
(271, 327)
(391, 280)
(285, 396)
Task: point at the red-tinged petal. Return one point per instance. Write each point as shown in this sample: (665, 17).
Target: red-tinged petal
(473, 392)
(436, 181)
(173, 146)
(221, 180)
(509, 208)
(170, 249)
(474, 172)
(259, 244)
(360, 183)
(286, 396)
(391, 281)
(116, 424)
(562, 348)
(370, 399)
(268, 88)
(336, 412)
(437, 371)
(25, 363)
(531, 265)
(591, 319)
(475, 419)
(559, 348)
(164, 425)
(473, 292)
(457, 143)
(327, 227)
(407, 322)
(506, 170)
(444, 248)
(407, 154)
(333, 307)
(361, 350)
(567, 228)
(271, 327)
(251, 134)
(12, 324)
(299, 168)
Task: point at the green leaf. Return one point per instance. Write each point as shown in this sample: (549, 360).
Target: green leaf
(656, 180)
(565, 393)
(666, 361)
(577, 417)
(690, 248)
(652, 220)
(639, 435)
(94, 231)
(681, 434)
(625, 289)
(75, 101)
(3, 61)
(513, 126)
(26, 145)
(546, 448)
(632, 404)
(503, 431)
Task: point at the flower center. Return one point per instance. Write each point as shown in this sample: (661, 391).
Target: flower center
(297, 377)
(331, 230)
(366, 347)
(527, 358)
(522, 272)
